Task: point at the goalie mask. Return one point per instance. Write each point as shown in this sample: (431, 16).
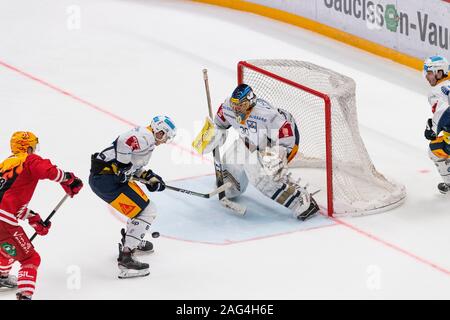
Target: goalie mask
(242, 100)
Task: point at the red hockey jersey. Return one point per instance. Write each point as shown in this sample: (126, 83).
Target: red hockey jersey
(19, 176)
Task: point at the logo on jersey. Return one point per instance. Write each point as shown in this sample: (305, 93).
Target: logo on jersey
(24, 243)
(126, 208)
(220, 113)
(9, 249)
(285, 131)
(252, 126)
(258, 118)
(433, 108)
(133, 143)
(25, 275)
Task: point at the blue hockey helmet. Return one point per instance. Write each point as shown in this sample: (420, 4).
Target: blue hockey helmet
(242, 99)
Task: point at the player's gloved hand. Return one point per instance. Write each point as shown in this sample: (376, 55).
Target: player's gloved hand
(273, 161)
(71, 184)
(124, 172)
(429, 133)
(155, 182)
(38, 225)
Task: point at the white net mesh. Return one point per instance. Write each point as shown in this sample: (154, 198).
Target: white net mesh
(358, 188)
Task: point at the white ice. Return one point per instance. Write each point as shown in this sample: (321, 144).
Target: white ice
(129, 60)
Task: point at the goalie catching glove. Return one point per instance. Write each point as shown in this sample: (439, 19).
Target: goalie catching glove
(273, 161)
(209, 138)
(155, 182)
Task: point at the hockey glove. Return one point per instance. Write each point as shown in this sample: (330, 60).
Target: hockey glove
(124, 172)
(273, 162)
(429, 133)
(155, 182)
(71, 184)
(38, 225)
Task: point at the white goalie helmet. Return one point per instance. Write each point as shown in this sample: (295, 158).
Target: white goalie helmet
(166, 125)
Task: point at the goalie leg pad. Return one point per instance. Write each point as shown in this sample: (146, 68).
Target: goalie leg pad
(235, 174)
(289, 195)
(233, 166)
(280, 188)
(139, 226)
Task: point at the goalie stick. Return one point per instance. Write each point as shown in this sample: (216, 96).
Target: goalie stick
(227, 203)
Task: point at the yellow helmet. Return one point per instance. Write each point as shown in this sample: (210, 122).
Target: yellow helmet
(22, 140)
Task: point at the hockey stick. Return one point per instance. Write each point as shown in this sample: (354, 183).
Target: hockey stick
(52, 214)
(217, 164)
(189, 192)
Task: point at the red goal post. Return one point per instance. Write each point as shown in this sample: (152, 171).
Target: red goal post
(325, 101)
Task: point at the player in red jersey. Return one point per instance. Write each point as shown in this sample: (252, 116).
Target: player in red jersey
(19, 176)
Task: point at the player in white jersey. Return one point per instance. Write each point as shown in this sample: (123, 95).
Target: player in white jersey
(268, 140)
(111, 176)
(436, 71)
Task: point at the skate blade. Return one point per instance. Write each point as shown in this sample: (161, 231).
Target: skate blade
(139, 253)
(4, 289)
(7, 288)
(127, 273)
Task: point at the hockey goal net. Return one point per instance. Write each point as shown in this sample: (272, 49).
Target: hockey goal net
(332, 155)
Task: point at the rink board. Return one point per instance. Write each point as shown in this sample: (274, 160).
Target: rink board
(190, 218)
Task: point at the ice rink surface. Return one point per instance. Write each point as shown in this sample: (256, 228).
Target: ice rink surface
(77, 86)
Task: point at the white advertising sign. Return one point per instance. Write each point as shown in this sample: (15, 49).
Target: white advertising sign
(416, 27)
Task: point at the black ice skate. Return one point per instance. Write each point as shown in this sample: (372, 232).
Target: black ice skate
(143, 247)
(311, 211)
(21, 296)
(130, 268)
(8, 282)
(444, 188)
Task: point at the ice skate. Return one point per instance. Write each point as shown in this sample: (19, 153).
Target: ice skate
(8, 282)
(130, 268)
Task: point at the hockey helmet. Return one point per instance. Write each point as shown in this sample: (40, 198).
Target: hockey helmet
(242, 98)
(436, 63)
(22, 140)
(166, 125)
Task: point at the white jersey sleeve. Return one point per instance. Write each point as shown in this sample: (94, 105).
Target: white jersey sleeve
(124, 148)
(284, 132)
(220, 121)
(439, 99)
(134, 146)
